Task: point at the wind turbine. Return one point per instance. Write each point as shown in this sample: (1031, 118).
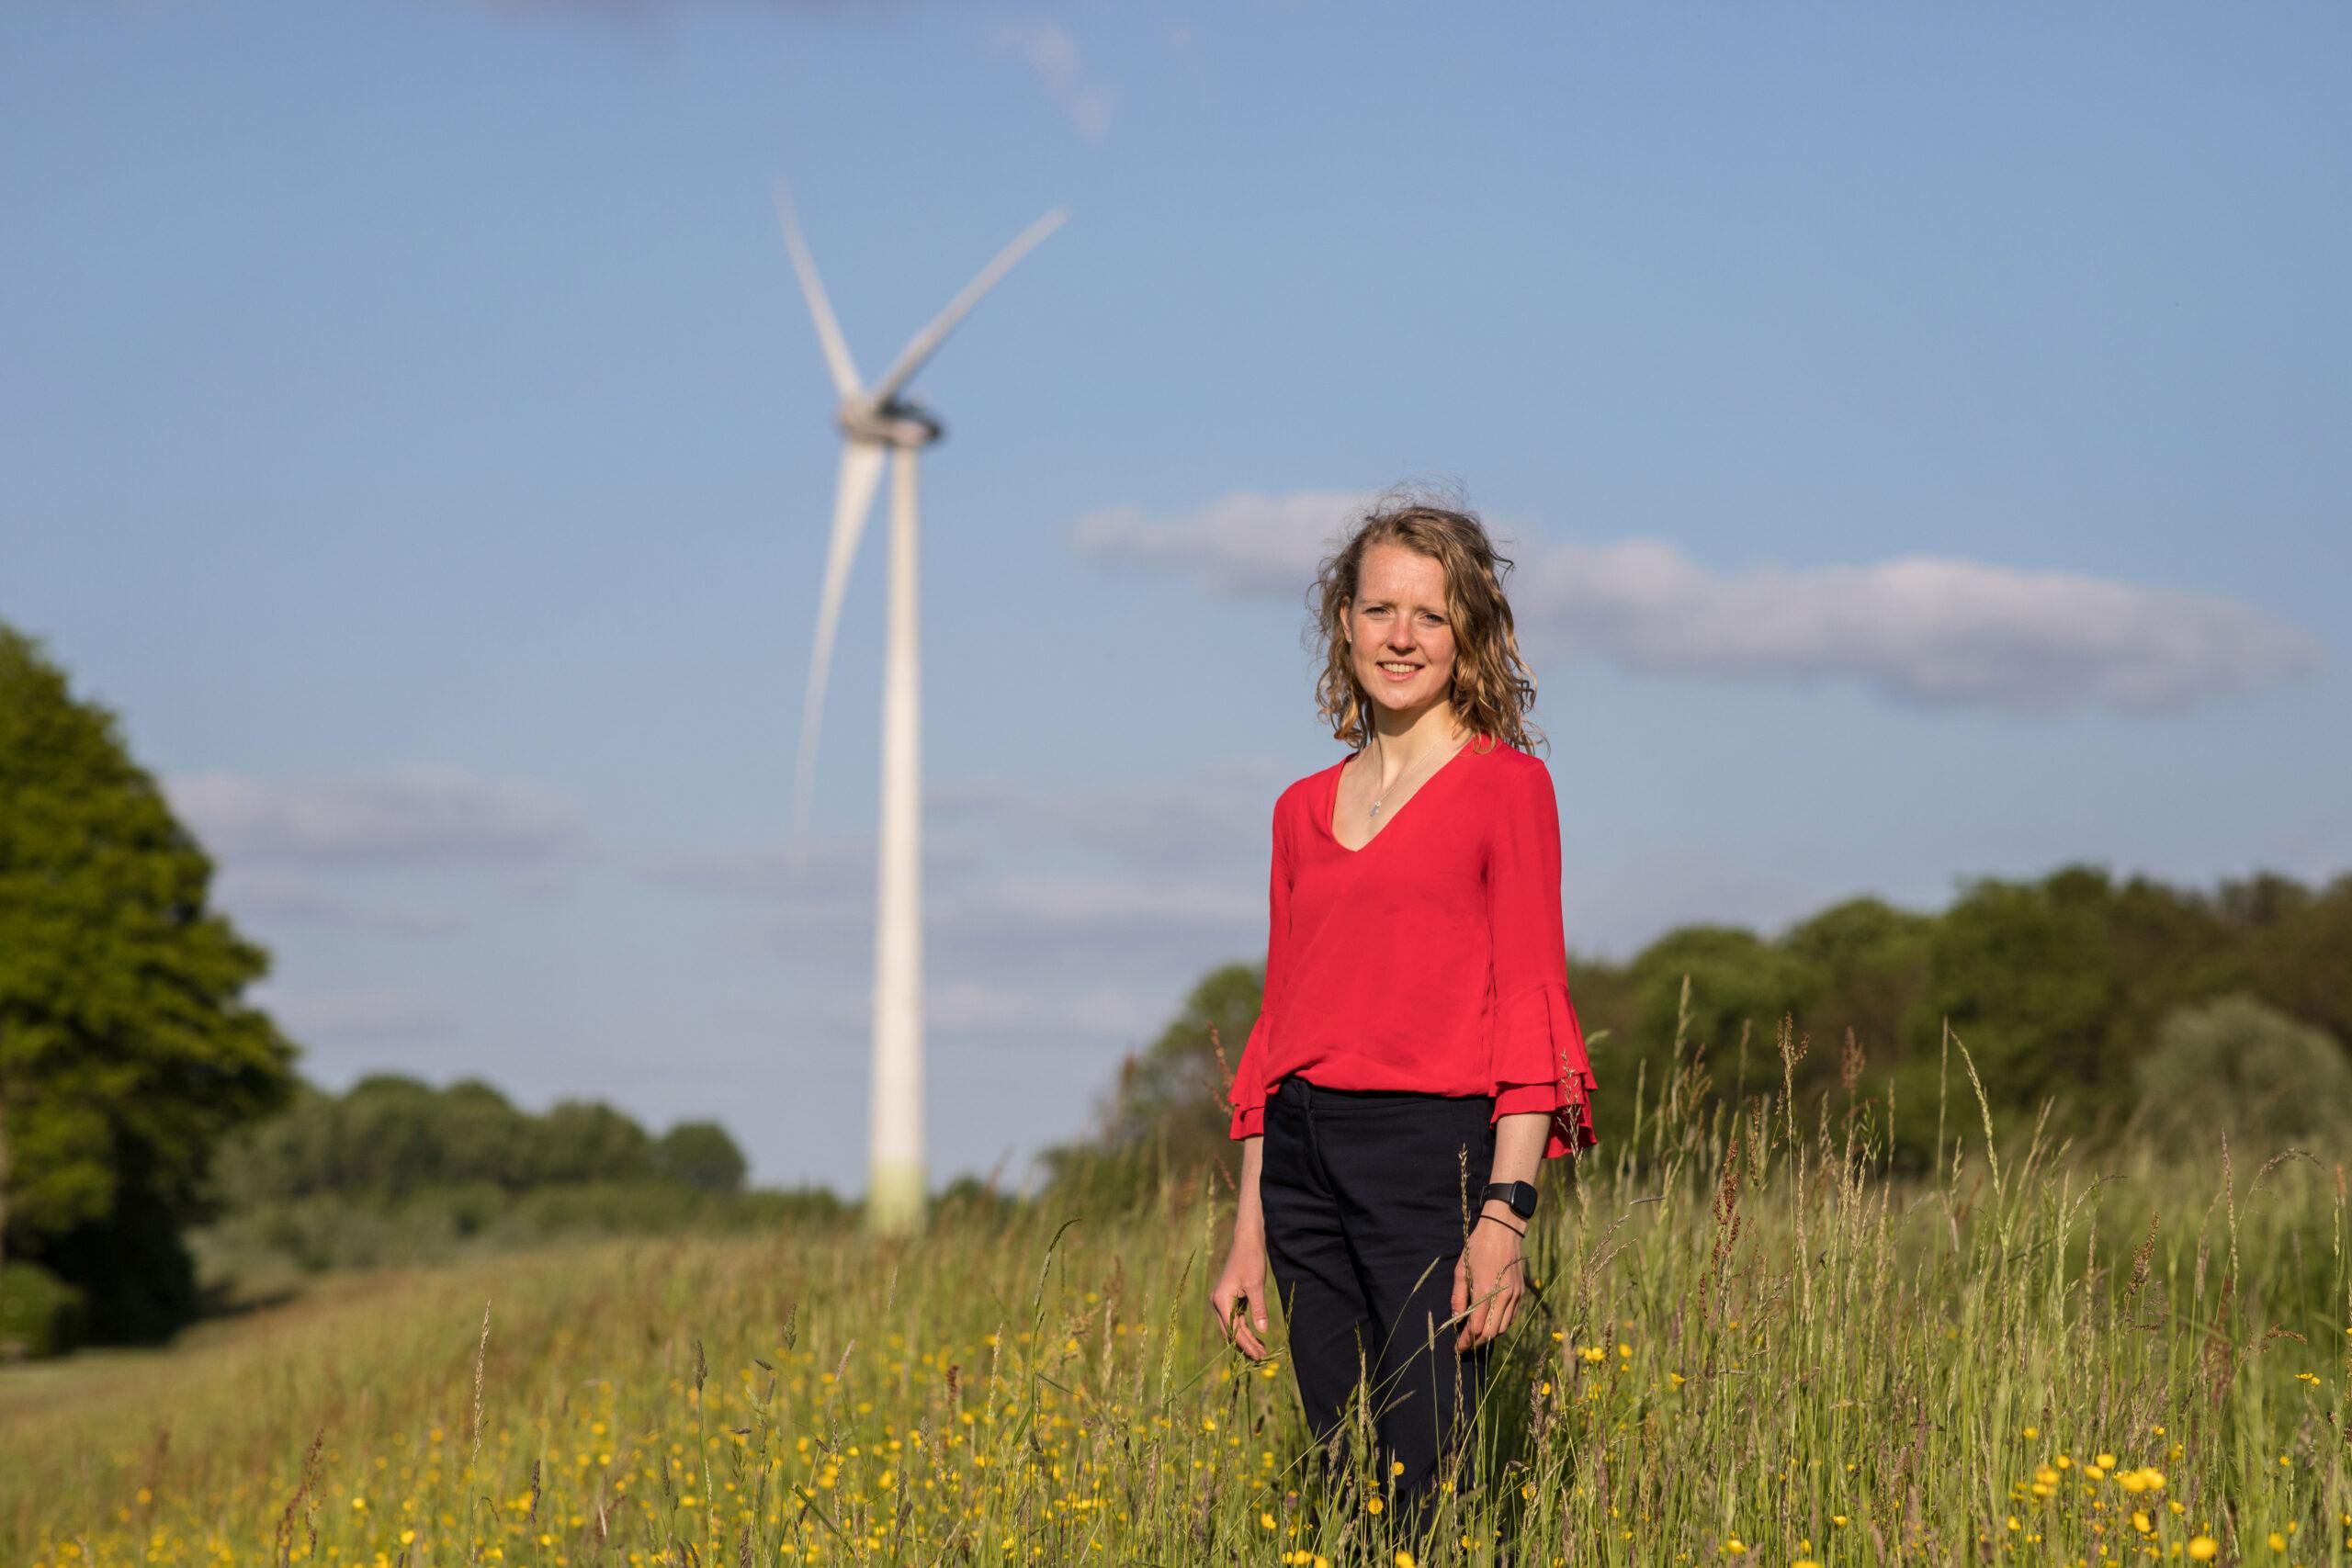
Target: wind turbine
(876, 422)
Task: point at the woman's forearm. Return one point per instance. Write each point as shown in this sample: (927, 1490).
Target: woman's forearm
(1518, 1154)
(1248, 1216)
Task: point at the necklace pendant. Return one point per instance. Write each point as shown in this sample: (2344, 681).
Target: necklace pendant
(1376, 809)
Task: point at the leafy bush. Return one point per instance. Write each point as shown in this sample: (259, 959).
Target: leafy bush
(41, 1314)
(2235, 1064)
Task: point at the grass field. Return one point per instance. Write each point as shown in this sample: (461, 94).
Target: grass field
(1751, 1345)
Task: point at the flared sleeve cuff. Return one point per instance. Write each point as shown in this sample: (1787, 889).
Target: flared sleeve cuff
(1537, 1063)
(1248, 1092)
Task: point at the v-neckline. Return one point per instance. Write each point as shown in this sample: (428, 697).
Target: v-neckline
(1331, 813)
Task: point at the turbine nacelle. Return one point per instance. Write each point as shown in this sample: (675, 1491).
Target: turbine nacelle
(901, 421)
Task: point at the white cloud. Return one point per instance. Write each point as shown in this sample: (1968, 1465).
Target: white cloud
(1245, 544)
(1053, 57)
(1926, 629)
(413, 816)
(1935, 631)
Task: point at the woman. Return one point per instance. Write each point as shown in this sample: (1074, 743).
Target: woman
(1416, 1056)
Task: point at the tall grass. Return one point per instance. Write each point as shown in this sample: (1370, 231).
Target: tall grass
(1752, 1342)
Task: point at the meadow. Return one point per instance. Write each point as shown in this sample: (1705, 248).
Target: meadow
(1754, 1342)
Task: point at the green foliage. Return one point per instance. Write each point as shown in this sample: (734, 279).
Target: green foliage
(389, 1137)
(1873, 959)
(41, 1314)
(2027, 974)
(277, 1242)
(701, 1156)
(585, 1139)
(127, 1050)
(394, 1170)
(2234, 1065)
(1738, 980)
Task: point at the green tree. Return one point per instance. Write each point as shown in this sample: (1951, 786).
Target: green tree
(1738, 979)
(2027, 974)
(1872, 958)
(127, 1050)
(700, 1154)
(586, 1140)
(2303, 966)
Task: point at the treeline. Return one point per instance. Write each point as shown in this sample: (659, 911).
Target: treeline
(394, 1170)
(389, 1137)
(149, 1112)
(2131, 1008)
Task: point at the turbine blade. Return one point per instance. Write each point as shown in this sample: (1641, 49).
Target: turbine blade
(829, 332)
(853, 498)
(926, 342)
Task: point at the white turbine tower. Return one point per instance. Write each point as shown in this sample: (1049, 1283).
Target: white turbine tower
(877, 422)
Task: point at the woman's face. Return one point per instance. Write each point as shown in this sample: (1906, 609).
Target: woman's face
(1400, 634)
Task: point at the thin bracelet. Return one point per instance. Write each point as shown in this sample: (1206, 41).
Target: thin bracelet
(1506, 1224)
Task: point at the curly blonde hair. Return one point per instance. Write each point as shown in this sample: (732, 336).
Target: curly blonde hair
(1493, 687)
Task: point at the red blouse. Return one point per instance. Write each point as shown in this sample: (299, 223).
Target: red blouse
(1431, 958)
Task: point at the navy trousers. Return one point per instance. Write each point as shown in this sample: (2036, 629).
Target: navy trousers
(1368, 1195)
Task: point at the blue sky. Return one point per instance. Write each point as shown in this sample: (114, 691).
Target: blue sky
(1920, 436)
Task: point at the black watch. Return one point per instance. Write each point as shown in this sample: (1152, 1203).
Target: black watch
(1520, 1195)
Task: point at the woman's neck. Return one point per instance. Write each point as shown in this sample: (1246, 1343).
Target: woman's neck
(1398, 738)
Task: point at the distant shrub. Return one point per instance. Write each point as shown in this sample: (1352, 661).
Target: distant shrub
(702, 1156)
(324, 1232)
(41, 1314)
(2233, 1062)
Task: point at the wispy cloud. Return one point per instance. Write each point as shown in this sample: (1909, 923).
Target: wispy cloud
(1053, 57)
(1212, 820)
(1052, 903)
(1247, 544)
(1199, 818)
(297, 898)
(839, 864)
(1930, 630)
(404, 817)
(358, 1017)
(644, 12)
(1097, 1014)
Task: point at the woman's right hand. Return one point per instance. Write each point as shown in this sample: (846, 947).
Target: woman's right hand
(1240, 1297)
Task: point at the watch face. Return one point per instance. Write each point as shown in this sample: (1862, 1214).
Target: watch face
(1520, 1195)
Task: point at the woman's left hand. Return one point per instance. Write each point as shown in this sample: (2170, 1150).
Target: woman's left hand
(1489, 1281)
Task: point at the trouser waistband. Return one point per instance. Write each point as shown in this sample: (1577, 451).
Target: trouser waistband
(1309, 1091)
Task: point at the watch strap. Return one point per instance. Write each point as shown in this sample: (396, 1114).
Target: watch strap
(1520, 1195)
